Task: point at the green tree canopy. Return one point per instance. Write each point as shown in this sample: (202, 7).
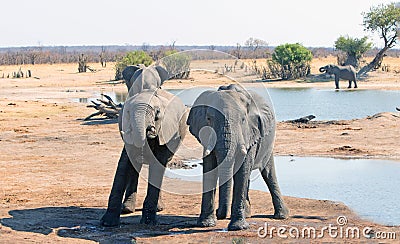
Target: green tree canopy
(294, 60)
(381, 19)
(288, 54)
(131, 58)
(353, 47)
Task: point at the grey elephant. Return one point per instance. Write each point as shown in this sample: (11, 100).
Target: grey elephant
(138, 78)
(341, 72)
(236, 129)
(152, 125)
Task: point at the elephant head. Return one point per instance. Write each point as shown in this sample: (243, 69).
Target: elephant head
(228, 122)
(144, 117)
(326, 68)
(138, 78)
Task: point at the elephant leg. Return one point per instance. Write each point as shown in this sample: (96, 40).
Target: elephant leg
(210, 174)
(269, 176)
(336, 82)
(224, 196)
(112, 215)
(156, 174)
(129, 203)
(240, 190)
(248, 205)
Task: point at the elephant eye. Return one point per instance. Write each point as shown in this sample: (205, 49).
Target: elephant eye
(157, 114)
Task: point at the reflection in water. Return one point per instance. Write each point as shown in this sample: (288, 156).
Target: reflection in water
(367, 186)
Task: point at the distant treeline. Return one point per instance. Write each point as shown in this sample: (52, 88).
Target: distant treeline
(94, 54)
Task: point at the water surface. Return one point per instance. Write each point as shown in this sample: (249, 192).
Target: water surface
(293, 103)
(369, 187)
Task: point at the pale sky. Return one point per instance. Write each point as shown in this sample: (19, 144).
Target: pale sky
(314, 23)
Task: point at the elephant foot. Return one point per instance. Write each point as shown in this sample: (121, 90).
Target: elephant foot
(206, 222)
(160, 205)
(282, 213)
(127, 209)
(238, 224)
(148, 219)
(247, 210)
(110, 219)
(222, 213)
(128, 206)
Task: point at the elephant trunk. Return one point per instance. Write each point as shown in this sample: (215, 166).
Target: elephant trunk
(225, 154)
(137, 126)
(139, 129)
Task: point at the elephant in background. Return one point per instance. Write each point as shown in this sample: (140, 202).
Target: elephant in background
(152, 125)
(341, 72)
(236, 129)
(139, 78)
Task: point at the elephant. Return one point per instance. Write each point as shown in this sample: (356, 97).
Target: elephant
(152, 126)
(139, 78)
(341, 72)
(236, 129)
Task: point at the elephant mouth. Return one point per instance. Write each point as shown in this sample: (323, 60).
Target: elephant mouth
(151, 132)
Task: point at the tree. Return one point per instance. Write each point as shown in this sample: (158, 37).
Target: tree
(294, 60)
(381, 19)
(255, 44)
(131, 58)
(354, 49)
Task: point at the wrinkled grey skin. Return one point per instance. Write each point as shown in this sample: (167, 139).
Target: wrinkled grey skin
(139, 78)
(341, 72)
(244, 126)
(152, 125)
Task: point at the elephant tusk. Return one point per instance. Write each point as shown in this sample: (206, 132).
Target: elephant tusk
(206, 153)
(125, 132)
(243, 149)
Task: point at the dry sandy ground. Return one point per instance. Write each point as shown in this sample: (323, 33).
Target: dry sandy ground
(56, 170)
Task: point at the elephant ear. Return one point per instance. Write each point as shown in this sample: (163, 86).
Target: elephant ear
(197, 115)
(163, 73)
(172, 112)
(128, 73)
(261, 117)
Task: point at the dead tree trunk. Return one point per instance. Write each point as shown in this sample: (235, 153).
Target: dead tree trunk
(375, 63)
(82, 63)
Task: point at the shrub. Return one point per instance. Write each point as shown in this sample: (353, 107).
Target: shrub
(131, 58)
(293, 59)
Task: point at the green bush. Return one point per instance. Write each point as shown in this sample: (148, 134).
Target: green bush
(293, 59)
(131, 58)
